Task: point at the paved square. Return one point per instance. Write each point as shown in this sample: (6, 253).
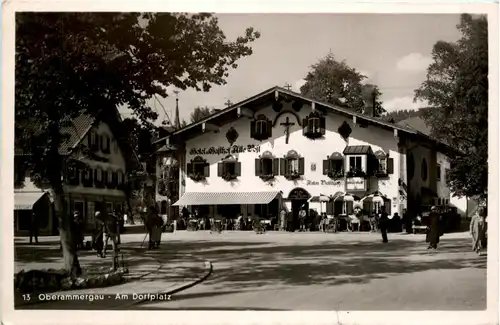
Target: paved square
(316, 271)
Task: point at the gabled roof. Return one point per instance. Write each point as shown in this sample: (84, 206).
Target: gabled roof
(77, 128)
(269, 93)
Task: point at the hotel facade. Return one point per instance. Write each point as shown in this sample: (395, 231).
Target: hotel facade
(279, 149)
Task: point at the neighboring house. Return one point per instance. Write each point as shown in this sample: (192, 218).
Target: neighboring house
(97, 161)
(420, 158)
(279, 148)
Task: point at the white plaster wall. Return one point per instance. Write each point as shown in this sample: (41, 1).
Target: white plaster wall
(442, 189)
(419, 153)
(313, 151)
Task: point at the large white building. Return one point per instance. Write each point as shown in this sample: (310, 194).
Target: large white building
(279, 148)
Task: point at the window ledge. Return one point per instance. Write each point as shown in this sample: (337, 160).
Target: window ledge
(229, 177)
(267, 177)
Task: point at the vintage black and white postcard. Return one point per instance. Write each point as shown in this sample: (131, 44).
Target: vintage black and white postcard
(226, 162)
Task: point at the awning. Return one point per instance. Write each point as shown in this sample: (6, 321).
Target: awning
(26, 200)
(358, 150)
(226, 198)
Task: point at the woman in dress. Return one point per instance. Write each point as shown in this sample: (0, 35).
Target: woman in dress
(478, 230)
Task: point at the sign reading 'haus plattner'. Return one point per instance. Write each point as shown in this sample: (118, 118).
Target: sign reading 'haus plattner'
(224, 150)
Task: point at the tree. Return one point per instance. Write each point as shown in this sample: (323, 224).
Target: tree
(200, 113)
(336, 83)
(183, 124)
(73, 63)
(403, 114)
(457, 90)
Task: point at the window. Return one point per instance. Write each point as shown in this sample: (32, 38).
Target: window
(229, 168)
(266, 166)
(73, 175)
(355, 163)
(92, 141)
(115, 146)
(198, 169)
(292, 166)
(438, 172)
(314, 125)
(88, 174)
(105, 143)
(447, 175)
(261, 128)
(424, 170)
(119, 177)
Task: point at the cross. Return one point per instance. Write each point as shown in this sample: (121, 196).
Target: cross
(288, 86)
(287, 124)
(344, 85)
(228, 103)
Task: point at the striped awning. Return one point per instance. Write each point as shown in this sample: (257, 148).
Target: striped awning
(26, 200)
(226, 198)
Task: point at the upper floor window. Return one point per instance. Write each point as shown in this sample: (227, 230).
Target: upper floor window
(229, 168)
(313, 126)
(119, 178)
(447, 175)
(99, 177)
(266, 166)
(355, 164)
(198, 169)
(73, 175)
(93, 142)
(110, 178)
(292, 165)
(334, 165)
(424, 170)
(438, 172)
(261, 128)
(87, 177)
(105, 143)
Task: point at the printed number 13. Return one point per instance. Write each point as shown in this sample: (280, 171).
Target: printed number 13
(27, 297)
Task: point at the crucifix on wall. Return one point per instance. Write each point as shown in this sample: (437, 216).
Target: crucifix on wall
(287, 124)
(288, 86)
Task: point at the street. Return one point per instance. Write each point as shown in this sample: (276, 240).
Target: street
(316, 271)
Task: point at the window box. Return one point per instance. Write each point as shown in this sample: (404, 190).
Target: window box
(336, 174)
(261, 128)
(313, 126)
(356, 172)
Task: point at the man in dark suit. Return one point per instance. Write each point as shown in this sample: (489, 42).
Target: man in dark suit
(433, 231)
(383, 223)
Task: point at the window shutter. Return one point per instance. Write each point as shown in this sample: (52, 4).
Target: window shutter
(105, 176)
(252, 130)
(305, 126)
(388, 206)
(258, 167)
(276, 166)
(390, 165)
(326, 167)
(301, 166)
(108, 144)
(220, 169)
(329, 208)
(189, 169)
(206, 170)
(269, 129)
(282, 166)
(237, 168)
(322, 124)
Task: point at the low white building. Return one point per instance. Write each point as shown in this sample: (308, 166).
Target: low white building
(280, 149)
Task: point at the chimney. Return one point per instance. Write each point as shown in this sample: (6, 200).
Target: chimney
(368, 93)
(177, 123)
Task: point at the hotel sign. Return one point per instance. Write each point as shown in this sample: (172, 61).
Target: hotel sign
(224, 150)
(324, 182)
(356, 184)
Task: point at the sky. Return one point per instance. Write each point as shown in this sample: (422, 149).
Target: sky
(392, 50)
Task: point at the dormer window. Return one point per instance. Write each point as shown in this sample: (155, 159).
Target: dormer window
(261, 128)
(334, 166)
(314, 125)
(266, 167)
(292, 165)
(198, 169)
(355, 167)
(229, 168)
(357, 158)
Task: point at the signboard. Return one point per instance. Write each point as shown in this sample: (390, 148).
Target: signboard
(224, 150)
(324, 182)
(356, 184)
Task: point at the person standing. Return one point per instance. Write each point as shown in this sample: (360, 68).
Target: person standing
(282, 219)
(98, 237)
(478, 230)
(383, 223)
(433, 232)
(78, 232)
(34, 228)
(302, 219)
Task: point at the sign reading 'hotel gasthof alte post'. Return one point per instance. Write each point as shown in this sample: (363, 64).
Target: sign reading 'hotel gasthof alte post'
(224, 150)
